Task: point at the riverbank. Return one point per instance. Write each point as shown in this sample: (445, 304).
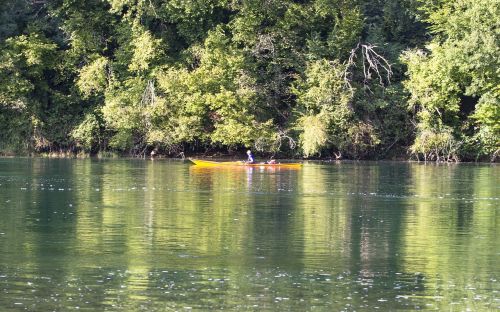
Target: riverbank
(181, 155)
(221, 157)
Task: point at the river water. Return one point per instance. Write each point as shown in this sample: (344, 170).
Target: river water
(135, 235)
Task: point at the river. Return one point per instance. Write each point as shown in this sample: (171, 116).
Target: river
(163, 235)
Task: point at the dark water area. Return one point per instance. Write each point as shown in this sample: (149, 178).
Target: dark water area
(135, 235)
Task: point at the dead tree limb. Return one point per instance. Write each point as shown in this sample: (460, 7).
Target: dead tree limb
(372, 63)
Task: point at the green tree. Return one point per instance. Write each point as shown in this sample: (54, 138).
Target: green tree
(131, 76)
(454, 83)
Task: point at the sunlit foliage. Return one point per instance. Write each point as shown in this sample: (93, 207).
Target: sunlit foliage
(132, 76)
(454, 82)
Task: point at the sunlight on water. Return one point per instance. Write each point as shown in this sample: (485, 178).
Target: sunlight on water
(164, 235)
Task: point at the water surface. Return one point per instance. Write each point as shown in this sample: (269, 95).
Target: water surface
(162, 235)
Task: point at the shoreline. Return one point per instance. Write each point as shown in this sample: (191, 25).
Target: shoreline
(235, 157)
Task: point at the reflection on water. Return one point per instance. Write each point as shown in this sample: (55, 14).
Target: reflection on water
(143, 235)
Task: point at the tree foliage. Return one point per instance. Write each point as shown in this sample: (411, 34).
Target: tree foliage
(356, 79)
(454, 82)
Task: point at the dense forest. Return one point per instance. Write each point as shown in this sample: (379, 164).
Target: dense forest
(357, 79)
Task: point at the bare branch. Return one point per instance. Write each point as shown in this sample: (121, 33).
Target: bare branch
(148, 99)
(264, 45)
(372, 62)
(275, 145)
(350, 63)
(153, 8)
(282, 135)
(149, 95)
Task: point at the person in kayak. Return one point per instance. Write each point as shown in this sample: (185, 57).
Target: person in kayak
(250, 159)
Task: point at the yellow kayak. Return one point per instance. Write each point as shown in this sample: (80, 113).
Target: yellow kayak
(208, 163)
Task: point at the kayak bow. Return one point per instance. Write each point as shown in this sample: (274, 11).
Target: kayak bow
(208, 163)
